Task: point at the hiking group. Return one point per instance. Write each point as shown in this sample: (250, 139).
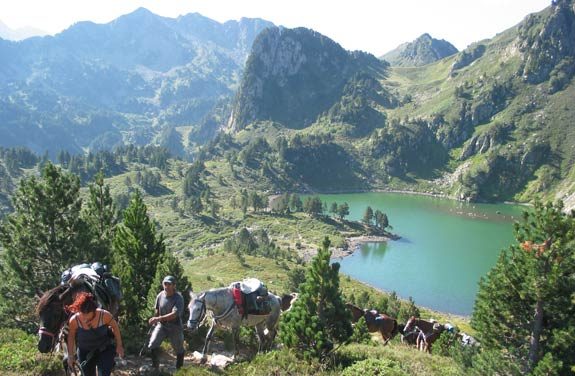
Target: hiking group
(93, 335)
(82, 314)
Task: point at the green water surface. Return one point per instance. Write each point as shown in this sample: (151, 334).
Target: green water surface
(446, 247)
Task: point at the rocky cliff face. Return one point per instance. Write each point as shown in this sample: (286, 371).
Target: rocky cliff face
(547, 39)
(293, 75)
(424, 50)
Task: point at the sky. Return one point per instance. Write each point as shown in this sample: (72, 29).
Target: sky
(375, 26)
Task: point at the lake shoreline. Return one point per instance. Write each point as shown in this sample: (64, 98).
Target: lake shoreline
(354, 243)
(437, 313)
(409, 192)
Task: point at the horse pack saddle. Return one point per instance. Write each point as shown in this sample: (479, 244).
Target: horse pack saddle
(371, 316)
(251, 297)
(105, 287)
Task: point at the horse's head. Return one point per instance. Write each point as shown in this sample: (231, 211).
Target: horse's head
(197, 309)
(52, 316)
(410, 324)
(287, 301)
(356, 312)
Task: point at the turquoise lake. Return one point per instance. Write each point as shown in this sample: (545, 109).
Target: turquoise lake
(446, 246)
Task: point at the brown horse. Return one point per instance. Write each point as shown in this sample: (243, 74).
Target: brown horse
(287, 301)
(385, 325)
(53, 316)
(51, 310)
(425, 332)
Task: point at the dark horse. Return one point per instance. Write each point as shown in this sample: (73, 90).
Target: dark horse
(53, 315)
(425, 332)
(385, 325)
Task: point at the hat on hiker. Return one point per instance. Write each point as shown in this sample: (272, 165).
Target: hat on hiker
(169, 279)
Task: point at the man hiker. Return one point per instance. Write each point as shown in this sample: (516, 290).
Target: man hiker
(168, 321)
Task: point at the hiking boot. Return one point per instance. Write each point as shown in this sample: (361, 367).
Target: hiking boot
(179, 361)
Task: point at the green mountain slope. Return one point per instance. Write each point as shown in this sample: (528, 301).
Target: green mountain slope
(492, 122)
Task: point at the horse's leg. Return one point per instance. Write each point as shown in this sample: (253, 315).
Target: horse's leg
(208, 339)
(236, 340)
(383, 336)
(270, 340)
(261, 337)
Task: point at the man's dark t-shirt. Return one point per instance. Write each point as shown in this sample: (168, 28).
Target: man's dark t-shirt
(168, 304)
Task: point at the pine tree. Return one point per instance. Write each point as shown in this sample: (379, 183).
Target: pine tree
(407, 309)
(44, 236)
(525, 304)
(295, 203)
(343, 210)
(319, 319)
(381, 220)
(101, 216)
(333, 208)
(361, 333)
(137, 251)
(368, 216)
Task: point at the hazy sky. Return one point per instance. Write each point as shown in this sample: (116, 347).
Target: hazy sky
(376, 26)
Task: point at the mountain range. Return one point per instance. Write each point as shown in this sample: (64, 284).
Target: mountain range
(489, 123)
(20, 33)
(94, 86)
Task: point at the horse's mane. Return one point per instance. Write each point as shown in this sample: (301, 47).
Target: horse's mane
(48, 296)
(353, 306)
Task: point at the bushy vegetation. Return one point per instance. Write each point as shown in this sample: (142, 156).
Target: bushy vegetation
(319, 319)
(524, 306)
(19, 355)
(374, 367)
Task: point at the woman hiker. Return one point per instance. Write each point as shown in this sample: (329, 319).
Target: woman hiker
(88, 329)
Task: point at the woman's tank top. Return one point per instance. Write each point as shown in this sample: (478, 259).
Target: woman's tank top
(93, 338)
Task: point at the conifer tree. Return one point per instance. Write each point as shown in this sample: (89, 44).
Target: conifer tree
(319, 319)
(368, 215)
(313, 206)
(42, 237)
(137, 251)
(343, 210)
(361, 333)
(525, 304)
(295, 203)
(101, 217)
(333, 208)
(407, 309)
(381, 220)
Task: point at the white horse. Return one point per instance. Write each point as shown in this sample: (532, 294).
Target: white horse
(220, 302)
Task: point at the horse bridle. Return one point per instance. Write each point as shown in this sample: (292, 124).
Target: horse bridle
(416, 329)
(199, 300)
(54, 335)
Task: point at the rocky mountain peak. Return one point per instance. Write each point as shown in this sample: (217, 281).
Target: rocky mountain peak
(292, 75)
(423, 50)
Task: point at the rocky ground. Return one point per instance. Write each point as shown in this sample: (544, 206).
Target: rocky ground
(133, 365)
